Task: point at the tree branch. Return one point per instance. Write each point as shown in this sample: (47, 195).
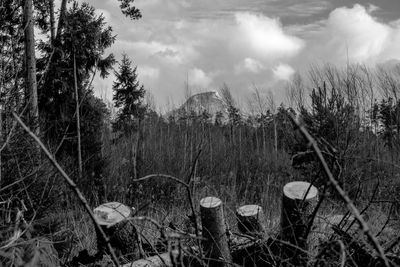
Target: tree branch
(73, 186)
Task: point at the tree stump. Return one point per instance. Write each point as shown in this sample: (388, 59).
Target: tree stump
(215, 244)
(250, 220)
(298, 203)
(113, 217)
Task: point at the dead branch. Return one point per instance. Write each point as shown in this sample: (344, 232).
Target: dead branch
(352, 208)
(73, 186)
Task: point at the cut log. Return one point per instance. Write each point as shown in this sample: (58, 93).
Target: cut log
(298, 203)
(215, 244)
(250, 220)
(114, 217)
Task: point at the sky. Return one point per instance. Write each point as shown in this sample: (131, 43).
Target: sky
(246, 43)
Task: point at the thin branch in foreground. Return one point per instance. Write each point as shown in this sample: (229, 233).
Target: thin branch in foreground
(73, 186)
(350, 205)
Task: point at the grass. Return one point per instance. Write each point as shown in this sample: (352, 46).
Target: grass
(238, 175)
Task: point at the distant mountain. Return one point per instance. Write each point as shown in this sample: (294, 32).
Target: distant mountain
(211, 102)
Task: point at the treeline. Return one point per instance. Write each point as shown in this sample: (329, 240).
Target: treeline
(352, 112)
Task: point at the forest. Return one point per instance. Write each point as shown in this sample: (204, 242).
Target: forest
(65, 151)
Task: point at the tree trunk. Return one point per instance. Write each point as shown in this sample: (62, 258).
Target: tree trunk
(263, 141)
(298, 203)
(135, 147)
(78, 122)
(61, 18)
(250, 220)
(214, 232)
(114, 219)
(275, 138)
(1, 121)
(30, 67)
(52, 22)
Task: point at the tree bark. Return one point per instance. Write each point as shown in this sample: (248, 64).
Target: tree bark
(30, 67)
(52, 22)
(298, 203)
(250, 220)
(113, 217)
(214, 232)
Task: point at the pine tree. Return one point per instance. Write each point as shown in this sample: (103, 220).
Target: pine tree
(128, 96)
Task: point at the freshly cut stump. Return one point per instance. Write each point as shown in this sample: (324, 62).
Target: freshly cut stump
(298, 203)
(250, 219)
(214, 231)
(113, 217)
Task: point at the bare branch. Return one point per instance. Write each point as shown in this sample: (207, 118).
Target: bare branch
(73, 186)
(352, 208)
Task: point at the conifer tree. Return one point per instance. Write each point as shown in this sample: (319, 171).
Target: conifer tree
(128, 96)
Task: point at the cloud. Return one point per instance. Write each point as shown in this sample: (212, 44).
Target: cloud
(199, 78)
(283, 72)
(372, 8)
(249, 65)
(309, 8)
(245, 42)
(148, 72)
(355, 28)
(266, 36)
(356, 34)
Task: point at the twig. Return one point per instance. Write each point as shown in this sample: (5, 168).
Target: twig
(314, 214)
(73, 186)
(147, 177)
(366, 207)
(364, 226)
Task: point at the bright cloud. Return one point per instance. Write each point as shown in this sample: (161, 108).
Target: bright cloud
(356, 34)
(199, 78)
(265, 36)
(246, 42)
(249, 65)
(283, 72)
